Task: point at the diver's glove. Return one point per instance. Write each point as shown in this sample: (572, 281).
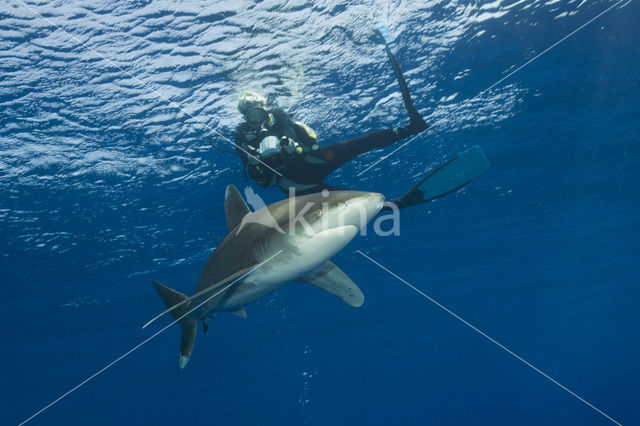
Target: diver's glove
(291, 147)
(261, 174)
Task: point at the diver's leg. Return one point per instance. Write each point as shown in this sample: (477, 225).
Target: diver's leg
(404, 201)
(416, 122)
(336, 154)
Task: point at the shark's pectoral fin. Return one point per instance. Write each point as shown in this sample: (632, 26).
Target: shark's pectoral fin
(240, 312)
(331, 279)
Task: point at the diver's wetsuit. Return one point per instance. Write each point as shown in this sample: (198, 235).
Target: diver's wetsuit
(307, 170)
(317, 165)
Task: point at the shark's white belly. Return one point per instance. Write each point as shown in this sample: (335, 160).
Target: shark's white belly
(287, 265)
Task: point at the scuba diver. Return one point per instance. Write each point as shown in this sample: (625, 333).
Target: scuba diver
(269, 141)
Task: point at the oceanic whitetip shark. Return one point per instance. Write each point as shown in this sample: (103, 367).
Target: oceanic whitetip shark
(292, 239)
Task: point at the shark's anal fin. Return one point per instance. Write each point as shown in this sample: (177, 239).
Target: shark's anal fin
(331, 279)
(240, 312)
(234, 207)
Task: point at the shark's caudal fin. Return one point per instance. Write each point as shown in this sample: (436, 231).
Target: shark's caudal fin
(188, 324)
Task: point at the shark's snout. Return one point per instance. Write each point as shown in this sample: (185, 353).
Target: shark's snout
(377, 201)
(362, 208)
(373, 204)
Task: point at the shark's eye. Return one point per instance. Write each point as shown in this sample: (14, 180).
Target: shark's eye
(319, 212)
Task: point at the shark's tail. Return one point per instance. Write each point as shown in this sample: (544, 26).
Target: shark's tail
(187, 323)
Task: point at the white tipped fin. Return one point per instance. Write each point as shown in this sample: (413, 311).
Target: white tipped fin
(183, 361)
(331, 279)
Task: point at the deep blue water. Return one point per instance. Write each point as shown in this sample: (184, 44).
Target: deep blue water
(105, 185)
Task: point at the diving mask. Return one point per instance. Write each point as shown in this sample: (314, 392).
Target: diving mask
(256, 116)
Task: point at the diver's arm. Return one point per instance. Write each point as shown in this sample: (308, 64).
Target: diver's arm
(240, 142)
(287, 126)
(254, 164)
(296, 130)
(305, 135)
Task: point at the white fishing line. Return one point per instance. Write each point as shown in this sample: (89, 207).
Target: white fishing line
(500, 81)
(121, 357)
(491, 339)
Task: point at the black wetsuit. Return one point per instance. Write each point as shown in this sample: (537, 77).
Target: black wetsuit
(306, 171)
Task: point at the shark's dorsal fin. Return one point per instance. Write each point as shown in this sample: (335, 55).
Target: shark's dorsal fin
(234, 207)
(330, 278)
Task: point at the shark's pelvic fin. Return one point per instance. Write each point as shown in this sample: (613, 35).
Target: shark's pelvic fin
(188, 324)
(234, 207)
(331, 279)
(205, 323)
(240, 312)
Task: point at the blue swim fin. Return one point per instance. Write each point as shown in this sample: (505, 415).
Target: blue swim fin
(449, 177)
